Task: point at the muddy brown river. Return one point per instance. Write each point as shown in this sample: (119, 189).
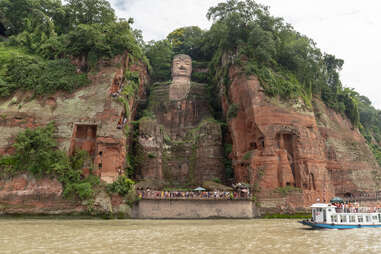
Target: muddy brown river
(180, 236)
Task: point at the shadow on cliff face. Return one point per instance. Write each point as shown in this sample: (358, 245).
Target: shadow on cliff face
(2, 30)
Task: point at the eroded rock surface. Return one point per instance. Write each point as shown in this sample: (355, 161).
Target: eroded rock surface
(25, 194)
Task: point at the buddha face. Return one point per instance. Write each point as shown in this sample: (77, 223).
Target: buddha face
(182, 66)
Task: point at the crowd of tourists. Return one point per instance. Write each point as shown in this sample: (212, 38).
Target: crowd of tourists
(217, 195)
(354, 208)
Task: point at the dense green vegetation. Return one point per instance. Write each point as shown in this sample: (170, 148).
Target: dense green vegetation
(28, 72)
(370, 127)
(288, 64)
(36, 153)
(42, 44)
(160, 55)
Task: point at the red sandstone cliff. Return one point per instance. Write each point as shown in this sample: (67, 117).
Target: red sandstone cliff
(278, 144)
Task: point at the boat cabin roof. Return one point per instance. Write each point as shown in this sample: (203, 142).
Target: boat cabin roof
(321, 205)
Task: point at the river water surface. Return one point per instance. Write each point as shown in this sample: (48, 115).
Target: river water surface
(180, 236)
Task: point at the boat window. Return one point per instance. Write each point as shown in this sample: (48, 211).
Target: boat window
(379, 217)
(329, 209)
(367, 218)
(352, 218)
(334, 218)
(343, 218)
(375, 217)
(360, 218)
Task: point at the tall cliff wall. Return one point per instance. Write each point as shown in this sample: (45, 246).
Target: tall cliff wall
(93, 118)
(283, 147)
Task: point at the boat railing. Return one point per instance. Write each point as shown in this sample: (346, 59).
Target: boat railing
(358, 210)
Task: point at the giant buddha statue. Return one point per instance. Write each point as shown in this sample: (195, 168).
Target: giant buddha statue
(179, 141)
(181, 77)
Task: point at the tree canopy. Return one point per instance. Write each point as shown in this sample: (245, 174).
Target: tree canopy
(50, 34)
(288, 63)
(187, 40)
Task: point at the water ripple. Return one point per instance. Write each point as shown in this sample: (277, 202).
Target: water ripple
(180, 236)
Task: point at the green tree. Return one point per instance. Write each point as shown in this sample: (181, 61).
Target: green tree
(96, 41)
(16, 13)
(89, 12)
(187, 40)
(160, 55)
(287, 63)
(36, 152)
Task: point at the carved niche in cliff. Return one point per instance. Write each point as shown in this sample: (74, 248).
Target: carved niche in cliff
(84, 138)
(292, 171)
(105, 154)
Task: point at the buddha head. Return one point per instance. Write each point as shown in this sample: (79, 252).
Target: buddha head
(182, 66)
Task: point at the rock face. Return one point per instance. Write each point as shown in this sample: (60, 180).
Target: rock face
(314, 151)
(292, 154)
(92, 118)
(179, 141)
(25, 194)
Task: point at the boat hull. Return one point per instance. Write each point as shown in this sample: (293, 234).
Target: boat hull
(337, 226)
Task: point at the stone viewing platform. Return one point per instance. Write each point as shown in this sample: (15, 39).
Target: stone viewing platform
(194, 205)
(195, 209)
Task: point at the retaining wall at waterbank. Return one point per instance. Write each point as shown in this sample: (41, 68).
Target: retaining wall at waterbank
(195, 209)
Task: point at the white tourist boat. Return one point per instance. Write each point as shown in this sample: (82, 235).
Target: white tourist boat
(332, 217)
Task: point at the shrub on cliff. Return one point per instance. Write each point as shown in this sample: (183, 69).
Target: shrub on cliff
(41, 76)
(123, 185)
(232, 111)
(36, 153)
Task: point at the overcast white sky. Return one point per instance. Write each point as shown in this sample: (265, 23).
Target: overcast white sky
(348, 29)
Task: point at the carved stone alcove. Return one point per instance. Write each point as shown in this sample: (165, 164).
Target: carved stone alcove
(84, 138)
